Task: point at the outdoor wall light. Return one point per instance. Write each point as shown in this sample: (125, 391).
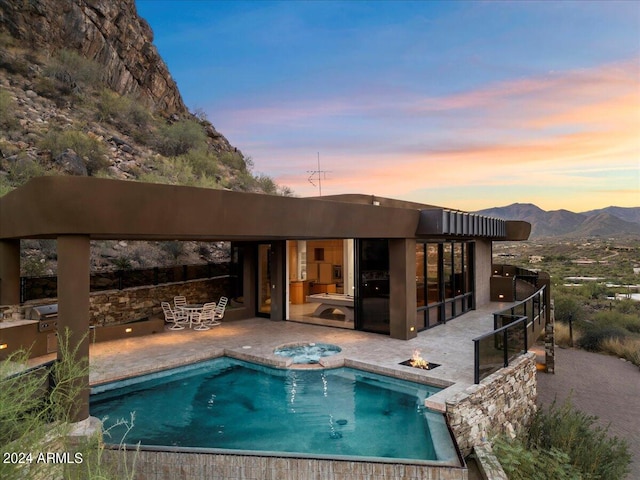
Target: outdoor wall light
(501, 295)
(412, 329)
(3, 346)
(128, 330)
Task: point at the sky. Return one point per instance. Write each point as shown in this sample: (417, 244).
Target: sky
(462, 104)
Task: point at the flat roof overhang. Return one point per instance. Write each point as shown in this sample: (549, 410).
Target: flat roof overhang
(105, 209)
(46, 207)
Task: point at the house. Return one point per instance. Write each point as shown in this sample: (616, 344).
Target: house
(365, 262)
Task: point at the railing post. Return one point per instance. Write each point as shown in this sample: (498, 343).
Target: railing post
(23, 289)
(526, 335)
(505, 348)
(476, 361)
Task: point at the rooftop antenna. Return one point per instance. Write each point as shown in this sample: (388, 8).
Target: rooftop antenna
(320, 173)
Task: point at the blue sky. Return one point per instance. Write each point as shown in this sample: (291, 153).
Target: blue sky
(462, 104)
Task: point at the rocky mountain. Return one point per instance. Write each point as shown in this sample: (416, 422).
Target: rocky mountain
(600, 223)
(83, 91)
(109, 32)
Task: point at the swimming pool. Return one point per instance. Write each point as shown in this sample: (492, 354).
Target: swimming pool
(230, 404)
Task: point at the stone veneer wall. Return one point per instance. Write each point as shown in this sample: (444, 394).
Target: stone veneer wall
(152, 465)
(121, 306)
(112, 307)
(503, 403)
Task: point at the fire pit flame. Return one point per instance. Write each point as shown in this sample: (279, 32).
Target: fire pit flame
(417, 361)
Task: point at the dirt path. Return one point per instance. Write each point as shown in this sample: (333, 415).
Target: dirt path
(600, 385)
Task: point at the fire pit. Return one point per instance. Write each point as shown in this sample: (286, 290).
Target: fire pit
(416, 361)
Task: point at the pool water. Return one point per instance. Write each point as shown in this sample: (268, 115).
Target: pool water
(230, 404)
(307, 353)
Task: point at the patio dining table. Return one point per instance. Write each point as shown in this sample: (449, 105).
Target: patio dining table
(190, 309)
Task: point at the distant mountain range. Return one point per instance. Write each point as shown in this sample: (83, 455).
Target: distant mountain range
(605, 222)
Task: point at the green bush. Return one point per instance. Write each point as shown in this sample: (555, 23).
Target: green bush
(32, 421)
(563, 444)
(7, 111)
(589, 447)
(180, 137)
(89, 148)
(591, 338)
(203, 163)
(24, 169)
(73, 71)
(127, 112)
(521, 463)
(567, 307)
(613, 318)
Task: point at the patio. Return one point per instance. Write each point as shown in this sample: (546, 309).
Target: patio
(449, 345)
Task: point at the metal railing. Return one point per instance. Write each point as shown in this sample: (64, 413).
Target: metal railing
(515, 329)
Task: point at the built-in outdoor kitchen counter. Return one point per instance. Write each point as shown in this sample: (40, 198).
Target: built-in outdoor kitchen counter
(37, 332)
(18, 335)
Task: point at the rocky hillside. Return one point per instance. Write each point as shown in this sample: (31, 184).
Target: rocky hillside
(109, 32)
(596, 223)
(83, 91)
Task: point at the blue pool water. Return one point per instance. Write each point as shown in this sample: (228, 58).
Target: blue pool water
(230, 404)
(307, 353)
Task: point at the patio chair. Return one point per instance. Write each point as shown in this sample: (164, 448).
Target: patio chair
(177, 318)
(207, 315)
(179, 301)
(218, 312)
(196, 319)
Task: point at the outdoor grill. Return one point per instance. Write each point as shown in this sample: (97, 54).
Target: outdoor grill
(47, 316)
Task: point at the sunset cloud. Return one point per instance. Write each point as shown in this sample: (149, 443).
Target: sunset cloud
(527, 101)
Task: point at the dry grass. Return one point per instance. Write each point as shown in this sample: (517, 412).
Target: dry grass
(627, 348)
(561, 332)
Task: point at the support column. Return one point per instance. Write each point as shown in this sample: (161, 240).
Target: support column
(9, 272)
(402, 272)
(73, 310)
(278, 285)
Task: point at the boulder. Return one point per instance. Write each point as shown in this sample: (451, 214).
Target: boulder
(71, 163)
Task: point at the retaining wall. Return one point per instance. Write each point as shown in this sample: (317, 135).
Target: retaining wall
(502, 403)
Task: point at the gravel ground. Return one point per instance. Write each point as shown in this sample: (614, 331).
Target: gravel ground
(600, 385)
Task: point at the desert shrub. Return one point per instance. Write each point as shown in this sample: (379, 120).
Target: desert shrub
(180, 137)
(235, 161)
(521, 463)
(73, 71)
(7, 111)
(203, 163)
(122, 263)
(628, 321)
(266, 184)
(562, 335)
(127, 112)
(592, 337)
(5, 186)
(174, 249)
(567, 307)
(627, 348)
(89, 148)
(589, 447)
(24, 169)
(32, 421)
(52, 89)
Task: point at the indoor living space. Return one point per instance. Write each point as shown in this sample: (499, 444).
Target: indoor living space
(321, 285)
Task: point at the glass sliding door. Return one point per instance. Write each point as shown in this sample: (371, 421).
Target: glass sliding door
(264, 280)
(373, 286)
